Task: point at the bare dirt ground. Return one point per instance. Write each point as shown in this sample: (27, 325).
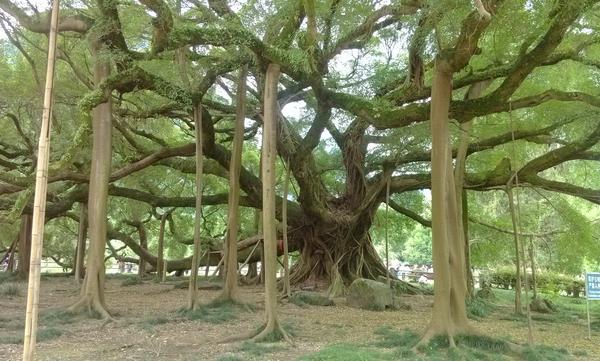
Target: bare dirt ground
(140, 334)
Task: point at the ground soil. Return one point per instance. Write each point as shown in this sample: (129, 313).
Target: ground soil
(131, 338)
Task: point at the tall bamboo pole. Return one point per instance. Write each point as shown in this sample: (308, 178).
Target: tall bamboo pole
(39, 203)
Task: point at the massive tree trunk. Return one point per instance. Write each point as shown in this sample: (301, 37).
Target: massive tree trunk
(24, 247)
(92, 291)
(449, 311)
(230, 289)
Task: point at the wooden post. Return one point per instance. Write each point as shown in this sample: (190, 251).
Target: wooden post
(39, 203)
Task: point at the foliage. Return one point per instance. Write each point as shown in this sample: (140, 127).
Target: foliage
(548, 282)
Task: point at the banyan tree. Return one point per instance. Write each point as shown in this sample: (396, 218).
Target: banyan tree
(354, 105)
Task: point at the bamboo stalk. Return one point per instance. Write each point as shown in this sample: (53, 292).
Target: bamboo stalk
(39, 203)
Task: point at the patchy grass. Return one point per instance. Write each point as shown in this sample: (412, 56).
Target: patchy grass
(391, 338)
(260, 348)
(10, 289)
(8, 277)
(215, 312)
(131, 281)
(478, 308)
(148, 323)
(344, 352)
(57, 316)
(304, 298)
(43, 334)
(230, 358)
(545, 353)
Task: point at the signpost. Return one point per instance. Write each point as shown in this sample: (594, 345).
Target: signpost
(592, 292)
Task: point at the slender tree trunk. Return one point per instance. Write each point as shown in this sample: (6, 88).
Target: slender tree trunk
(81, 243)
(475, 91)
(92, 290)
(39, 202)
(269, 154)
(230, 289)
(143, 244)
(160, 263)
(532, 262)
(286, 261)
(449, 315)
(24, 248)
(193, 289)
(517, 242)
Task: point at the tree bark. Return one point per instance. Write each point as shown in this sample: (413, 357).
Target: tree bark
(193, 288)
(24, 248)
(449, 315)
(160, 263)
(92, 290)
(230, 288)
(475, 91)
(81, 243)
(286, 261)
(144, 245)
(269, 155)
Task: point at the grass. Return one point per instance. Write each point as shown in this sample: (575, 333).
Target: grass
(545, 353)
(478, 308)
(344, 352)
(8, 277)
(131, 281)
(304, 298)
(392, 338)
(57, 316)
(230, 358)
(215, 312)
(10, 289)
(43, 334)
(259, 348)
